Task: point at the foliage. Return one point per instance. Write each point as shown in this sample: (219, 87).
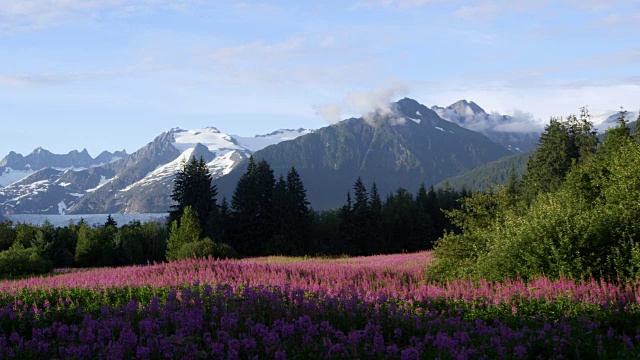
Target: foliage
(20, 261)
(192, 188)
(562, 143)
(206, 248)
(94, 246)
(588, 226)
(188, 231)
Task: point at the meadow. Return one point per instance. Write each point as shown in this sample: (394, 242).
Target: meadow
(377, 307)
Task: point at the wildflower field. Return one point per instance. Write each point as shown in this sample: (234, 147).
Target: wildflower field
(376, 307)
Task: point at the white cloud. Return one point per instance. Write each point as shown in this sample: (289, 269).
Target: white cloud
(300, 61)
(62, 77)
(21, 14)
(371, 105)
(400, 4)
(484, 10)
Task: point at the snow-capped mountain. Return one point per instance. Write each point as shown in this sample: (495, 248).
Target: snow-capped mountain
(517, 133)
(15, 167)
(140, 182)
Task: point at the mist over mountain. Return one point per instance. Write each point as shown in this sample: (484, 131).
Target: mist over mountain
(518, 132)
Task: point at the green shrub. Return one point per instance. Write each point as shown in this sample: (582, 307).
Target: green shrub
(20, 261)
(205, 248)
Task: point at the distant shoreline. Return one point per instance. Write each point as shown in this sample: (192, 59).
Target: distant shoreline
(91, 219)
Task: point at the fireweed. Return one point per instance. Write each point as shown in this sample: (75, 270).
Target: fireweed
(371, 308)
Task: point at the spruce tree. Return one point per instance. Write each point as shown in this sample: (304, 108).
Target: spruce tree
(361, 219)
(375, 201)
(110, 222)
(192, 187)
(376, 220)
(282, 221)
(512, 187)
(617, 134)
(298, 213)
(424, 231)
(346, 227)
(252, 208)
(551, 161)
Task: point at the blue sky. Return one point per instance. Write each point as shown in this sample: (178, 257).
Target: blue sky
(113, 74)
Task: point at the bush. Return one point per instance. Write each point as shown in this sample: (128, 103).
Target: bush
(20, 261)
(205, 248)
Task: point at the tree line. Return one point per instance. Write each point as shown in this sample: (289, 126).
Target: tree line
(273, 217)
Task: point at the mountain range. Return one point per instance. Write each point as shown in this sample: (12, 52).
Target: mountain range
(405, 147)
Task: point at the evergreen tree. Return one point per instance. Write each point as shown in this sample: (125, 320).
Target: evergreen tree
(346, 228)
(583, 136)
(399, 221)
(425, 231)
(376, 220)
(512, 187)
(110, 222)
(252, 208)
(94, 246)
(551, 161)
(616, 135)
(361, 219)
(562, 143)
(375, 201)
(121, 253)
(297, 213)
(188, 231)
(361, 204)
(281, 220)
(192, 187)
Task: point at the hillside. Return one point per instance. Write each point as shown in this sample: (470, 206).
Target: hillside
(495, 172)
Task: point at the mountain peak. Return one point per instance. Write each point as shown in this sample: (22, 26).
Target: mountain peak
(414, 110)
(211, 129)
(463, 107)
(40, 150)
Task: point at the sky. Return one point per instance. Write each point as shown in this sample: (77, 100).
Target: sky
(114, 74)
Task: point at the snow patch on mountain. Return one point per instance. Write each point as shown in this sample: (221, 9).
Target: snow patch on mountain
(162, 172)
(210, 137)
(62, 208)
(222, 165)
(260, 142)
(103, 181)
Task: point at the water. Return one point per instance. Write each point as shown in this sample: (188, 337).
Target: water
(91, 219)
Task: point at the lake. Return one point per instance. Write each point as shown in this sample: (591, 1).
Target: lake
(91, 219)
